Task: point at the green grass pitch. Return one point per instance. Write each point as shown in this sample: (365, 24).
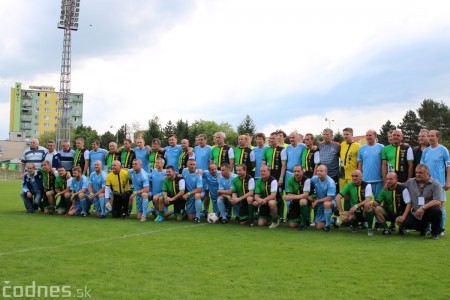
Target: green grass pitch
(128, 259)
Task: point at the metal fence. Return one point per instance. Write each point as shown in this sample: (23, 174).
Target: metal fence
(9, 175)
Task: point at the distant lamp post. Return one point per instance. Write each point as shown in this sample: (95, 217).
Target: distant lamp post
(117, 133)
(329, 122)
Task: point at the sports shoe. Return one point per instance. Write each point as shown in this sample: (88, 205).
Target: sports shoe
(274, 225)
(401, 231)
(327, 229)
(435, 236)
(159, 219)
(376, 227)
(369, 232)
(301, 227)
(143, 219)
(443, 232)
(196, 220)
(224, 221)
(335, 223)
(83, 214)
(354, 228)
(102, 216)
(386, 232)
(250, 224)
(124, 216)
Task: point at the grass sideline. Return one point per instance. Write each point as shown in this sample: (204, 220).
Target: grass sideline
(127, 259)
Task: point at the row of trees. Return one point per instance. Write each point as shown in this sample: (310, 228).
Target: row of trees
(430, 115)
(182, 129)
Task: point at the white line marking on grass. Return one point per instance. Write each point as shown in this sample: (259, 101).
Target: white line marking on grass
(98, 240)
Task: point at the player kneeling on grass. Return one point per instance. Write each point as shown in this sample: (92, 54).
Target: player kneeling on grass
(393, 204)
(297, 192)
(360, 195)
(48, 178)
(157, 177)
(193, 197)
(242, 187)
(141, 187)
(96, 187)
(325, 189)
(172, 192)
(62, 190)
(224, 191)
(266, 196)
(80, 194)
(118, 187)
(32, 188)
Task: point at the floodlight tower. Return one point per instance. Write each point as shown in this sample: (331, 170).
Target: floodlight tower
(70, 11)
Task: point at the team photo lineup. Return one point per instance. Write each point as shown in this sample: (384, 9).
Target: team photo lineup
(292, 181)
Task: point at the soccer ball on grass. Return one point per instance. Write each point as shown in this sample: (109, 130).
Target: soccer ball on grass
(213, 218)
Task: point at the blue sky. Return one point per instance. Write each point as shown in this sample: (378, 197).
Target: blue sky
(288, 64)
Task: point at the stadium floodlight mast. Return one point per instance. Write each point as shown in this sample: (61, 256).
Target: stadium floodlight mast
(70, 12)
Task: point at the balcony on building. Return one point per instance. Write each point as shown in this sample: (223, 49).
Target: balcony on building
(76, 98)
(27, 95)
(26, 118)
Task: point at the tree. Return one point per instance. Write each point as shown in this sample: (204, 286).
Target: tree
(168, 130)
(246, 126)
(181, 130)
(153, 131)
(107, 138)
(45, 137)
(122, 134)
(231, 135)
(435, 115)
(87, 133)
(211, 127)
(338, 137)
(383, 135)
(318, 138)
(410, 127)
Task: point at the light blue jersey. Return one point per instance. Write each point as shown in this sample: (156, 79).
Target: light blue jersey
(142, 154)
(192, 180)
(139, 180)
(202, 156)
(323, 188)
(258, 154)
(294, 156)
(370, 156)
(78, 185)
(212, 182)
(172, 155)
(226, 184)
(97, 155)
(437, 160)
(97, 181)
(157, 179)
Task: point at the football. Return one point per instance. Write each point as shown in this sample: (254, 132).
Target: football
(213, 218)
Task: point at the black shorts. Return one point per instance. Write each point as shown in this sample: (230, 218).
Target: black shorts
(294, 211)
(243, 210)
